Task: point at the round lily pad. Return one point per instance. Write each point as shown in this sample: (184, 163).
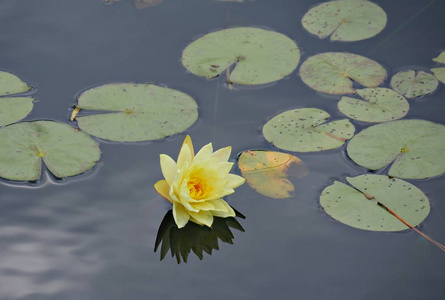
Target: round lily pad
(358, 205)
(411, 85)
(11, 84)
(378, 105)
(333, 72)
(416, 148)
(440, 58)
(305, 130)
(259, 56)
(439, 73)
(13, 109)
(136, 112)
(65, 150)
(345, 20)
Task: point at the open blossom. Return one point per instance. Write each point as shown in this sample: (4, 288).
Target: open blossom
(195, 184)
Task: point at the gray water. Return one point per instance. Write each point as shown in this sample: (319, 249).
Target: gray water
(91, 237)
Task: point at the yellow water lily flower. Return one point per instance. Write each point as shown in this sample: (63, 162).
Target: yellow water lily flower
(195, 184)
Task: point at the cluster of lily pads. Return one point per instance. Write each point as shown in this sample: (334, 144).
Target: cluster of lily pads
(131, 112)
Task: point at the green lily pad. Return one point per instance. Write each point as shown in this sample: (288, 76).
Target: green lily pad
(358, 207)
(379, 105)
(11, 84)
(345, 20)
(65, 150)
(411, 85)
(333, 72)
(136, 112)
(14, 109)
(439, 73)
(440, 58)
(260, 56)
(305, 130)
(416, 148)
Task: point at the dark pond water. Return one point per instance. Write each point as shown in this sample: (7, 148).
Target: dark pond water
(91, 237)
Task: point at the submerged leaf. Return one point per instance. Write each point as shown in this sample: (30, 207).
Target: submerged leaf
(358, 205)
(259, 56)
(332, 72)
(379, 105)
(65, 150)
(411, 85)
(305, 130)
(141, 4)
(14, 109)
(267, 172)
(416, 148)
(345, 20)
(11, 84)
(136, 112)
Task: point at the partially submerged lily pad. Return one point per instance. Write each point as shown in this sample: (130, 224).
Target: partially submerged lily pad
(267, 172)
(259, 56)
(305, 130)
(357, 205)
(13, 109)
(65, 150)
(136, 112)
(345, 20)
(416, 148)
(333, 72)
(411, 85)
(379, 105)
(11, 84)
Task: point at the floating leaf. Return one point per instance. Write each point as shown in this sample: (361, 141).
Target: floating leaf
(11, 84)
(416, 148)
(439, 73)
(332, 72)
(65, 150)
(267, 172)
(358, 206)
(260, 56)
(14, 109)
(305, 130)
(440, 58)
(136, 112)
(346, 20)
(411, 85)
(379, 105)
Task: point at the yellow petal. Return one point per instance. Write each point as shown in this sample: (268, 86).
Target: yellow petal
(223, 154)
(234, 181)
(180, 215)
(218, 205)
(188, 142)
(203, 217)
(230, 212)
(224, 168)
(163, 189)
(204, 153)
(168, 168)
(184, 197)
(205, 205)
(185, 155)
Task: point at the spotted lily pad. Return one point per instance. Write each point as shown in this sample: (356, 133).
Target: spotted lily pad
(136, 112)
(267, 172)
(65, 150)
(333, 72)
(416, 148)
(379, 105)
(259, 56)
(11, 84)
(345, 20)
(305, 130)
(358, 205)
(13, 109)
(411, 85)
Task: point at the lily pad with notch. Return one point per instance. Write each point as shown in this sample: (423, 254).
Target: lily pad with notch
(412, 85)
(333, 72)
(362, 203)
(132, 112)
(345, 20)
(306, 130)
(258, 56)
(378, 105)
(66, 151)
(414, 148)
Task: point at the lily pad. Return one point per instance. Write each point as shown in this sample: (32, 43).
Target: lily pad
(333, 72)
(358, 206)
(11, 84)
(440, 58)
(439, 73)
(267, 172)
(345, 20)
(305, 130)
(416, 148)
(136, 112)
(411, 85)
(259, 56)
(13, 109)
(379, 105)
(65, 150)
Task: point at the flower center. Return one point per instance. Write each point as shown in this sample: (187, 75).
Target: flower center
(197, 187)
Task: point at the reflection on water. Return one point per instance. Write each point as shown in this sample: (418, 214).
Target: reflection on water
(194, 237)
